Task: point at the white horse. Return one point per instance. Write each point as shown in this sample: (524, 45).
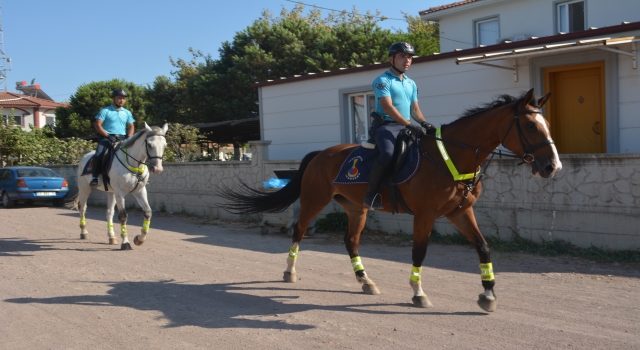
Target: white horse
(145, 146)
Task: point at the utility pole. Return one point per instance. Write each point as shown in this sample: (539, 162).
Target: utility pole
(4, 61)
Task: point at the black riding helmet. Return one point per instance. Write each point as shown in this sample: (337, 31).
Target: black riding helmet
(119, 92)
(400, 47)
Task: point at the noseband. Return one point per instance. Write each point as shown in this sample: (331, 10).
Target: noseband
(146, 146)
(527, 156)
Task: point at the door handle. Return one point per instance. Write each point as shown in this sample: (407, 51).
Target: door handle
(594, 128)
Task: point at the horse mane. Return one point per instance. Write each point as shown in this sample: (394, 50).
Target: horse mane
(499, 101)
(155, 131)
(130, 141)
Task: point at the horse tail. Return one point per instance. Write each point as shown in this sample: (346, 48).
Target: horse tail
(247, 200)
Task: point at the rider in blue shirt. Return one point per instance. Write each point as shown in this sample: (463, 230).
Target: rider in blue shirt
(113, 123)
(397, 101)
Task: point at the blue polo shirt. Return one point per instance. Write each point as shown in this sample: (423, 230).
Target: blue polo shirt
(402, 92)
(115, 121)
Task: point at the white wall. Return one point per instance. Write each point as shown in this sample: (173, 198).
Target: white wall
(534, 18)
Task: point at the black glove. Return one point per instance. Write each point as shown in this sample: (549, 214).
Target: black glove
(427, 126)
(112, 139)
(416, 130)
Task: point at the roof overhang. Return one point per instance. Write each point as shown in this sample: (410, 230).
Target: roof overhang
(606, 44)
(438, 12)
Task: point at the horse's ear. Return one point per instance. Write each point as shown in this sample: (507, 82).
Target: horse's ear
(147, 126)
(543, 100)
(165, 127)
(530, 96)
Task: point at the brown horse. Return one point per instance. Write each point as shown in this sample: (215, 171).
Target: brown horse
(516, 123)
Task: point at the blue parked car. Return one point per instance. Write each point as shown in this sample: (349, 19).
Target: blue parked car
(32, 184)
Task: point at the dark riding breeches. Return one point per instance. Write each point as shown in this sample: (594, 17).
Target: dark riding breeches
(386, 141)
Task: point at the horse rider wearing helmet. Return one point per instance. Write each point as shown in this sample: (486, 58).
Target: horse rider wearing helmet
(113, 123)
(396, 101)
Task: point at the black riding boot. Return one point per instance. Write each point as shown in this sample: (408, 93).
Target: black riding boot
(376, 177)
(95, 172)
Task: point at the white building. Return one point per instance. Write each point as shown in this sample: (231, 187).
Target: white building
(28, 110)
(582, 51)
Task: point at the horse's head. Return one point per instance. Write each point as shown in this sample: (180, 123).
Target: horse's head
(155, 143)
(529, 136)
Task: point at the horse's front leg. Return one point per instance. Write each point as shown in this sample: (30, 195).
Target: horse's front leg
(465, 221)
(357, 218)
(83, 194)
(141, 197)
(111, 203)
(422, 224)
(122, 216)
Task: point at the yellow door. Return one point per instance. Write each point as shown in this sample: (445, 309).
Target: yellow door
(576, 110)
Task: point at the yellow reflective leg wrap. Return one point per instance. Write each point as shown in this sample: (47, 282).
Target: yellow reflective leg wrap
(357, 264)
(83, 221)
(145, 225)
(123, 230)
(416, 272)
(486, 272)
(293, 253)
(109, 226)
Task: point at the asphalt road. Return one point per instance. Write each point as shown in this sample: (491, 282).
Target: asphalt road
(199, 283)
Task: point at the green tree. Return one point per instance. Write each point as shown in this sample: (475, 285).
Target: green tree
(209, 90)
(182, 143)
(77, 118)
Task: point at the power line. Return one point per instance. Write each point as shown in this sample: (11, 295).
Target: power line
(382, 18)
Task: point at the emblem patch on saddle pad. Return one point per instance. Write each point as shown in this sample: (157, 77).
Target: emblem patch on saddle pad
(381, 85)
(357, 167)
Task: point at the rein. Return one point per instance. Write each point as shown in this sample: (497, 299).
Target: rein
(142, 165)
(477, 175)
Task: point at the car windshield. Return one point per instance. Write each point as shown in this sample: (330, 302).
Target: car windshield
(36, 173)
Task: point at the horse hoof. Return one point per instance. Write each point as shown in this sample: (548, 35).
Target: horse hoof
(136, 241)
(125, 246)
(83, 236)
(421, 301)
(487, 303)
(370, 289)
(289, 277)
(113, 240)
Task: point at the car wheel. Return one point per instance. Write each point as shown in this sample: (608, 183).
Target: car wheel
(58, 202)
(7, 202)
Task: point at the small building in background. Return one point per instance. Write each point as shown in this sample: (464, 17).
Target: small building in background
(31, 107)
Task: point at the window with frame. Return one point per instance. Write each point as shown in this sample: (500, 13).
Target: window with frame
(570, 16)
(51, 121)
(487, 31)
(360, 107)
(17, 119)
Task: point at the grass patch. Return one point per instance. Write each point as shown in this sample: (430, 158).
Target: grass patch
(333, 222)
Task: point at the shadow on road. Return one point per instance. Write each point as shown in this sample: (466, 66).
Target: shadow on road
(220, 305)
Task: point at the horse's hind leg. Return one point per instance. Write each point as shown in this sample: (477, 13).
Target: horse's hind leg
(310, 205)
(111, 202)
(357, 218)
(466, 223)
(141, 197)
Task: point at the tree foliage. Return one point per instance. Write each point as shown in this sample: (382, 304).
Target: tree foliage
(38, 146)
(77, 118)
(205, 89)
(183, 143)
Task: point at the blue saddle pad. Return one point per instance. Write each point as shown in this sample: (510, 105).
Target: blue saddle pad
(86, 170)
(357, 166)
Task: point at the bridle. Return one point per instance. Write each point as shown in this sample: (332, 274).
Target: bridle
(147, 162)
(527, 156)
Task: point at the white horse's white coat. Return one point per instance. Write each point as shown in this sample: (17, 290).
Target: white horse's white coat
(125, 180)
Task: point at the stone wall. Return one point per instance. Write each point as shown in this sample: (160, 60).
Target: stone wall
(594, 200)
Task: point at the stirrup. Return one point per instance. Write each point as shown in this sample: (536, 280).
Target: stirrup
(94, 182)
(373, 205)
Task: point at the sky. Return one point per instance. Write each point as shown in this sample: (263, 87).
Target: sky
(63, 44)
